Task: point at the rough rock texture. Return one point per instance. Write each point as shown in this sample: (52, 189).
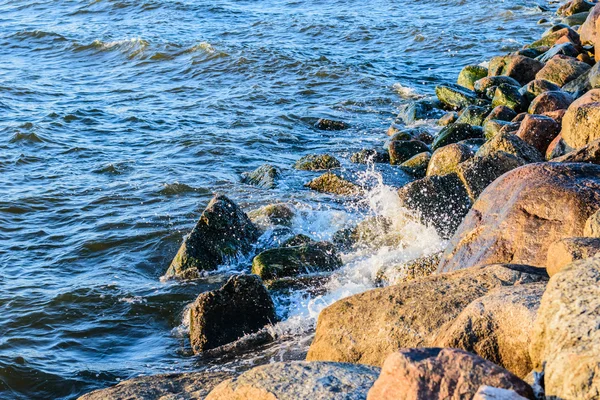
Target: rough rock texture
(581, 123)
(520, 68)
(519, 215)
(402, 150)
(317, 162)
(574, 7)
(497, 327)
(455, 133)
(511, 144)
(435, 373)
(411, 270)
(418, 110)
(299, 380)
(445, 160)
(473, 115)
(492, 393)
(222, 316)
(367, 156)
(484, 85)
(509, 96)
(367, 327)
(417, 165)
(456, 97)
(501, 113)
(565, 49)
(330, 125)
(334, 184)
(566, 334)
(563, 35)
(272, 214)
(441, 201)
(563, 252)
(562, 70)
(590, 153)
(589, 29)
(592, 226)
(538, 131)
(223, 231)
(183, 386)
(295, 260)
(556, 148)
(550, 101)
(493, 127)
(470, 74)
(264, 176)
(534, 88)
(448, 118)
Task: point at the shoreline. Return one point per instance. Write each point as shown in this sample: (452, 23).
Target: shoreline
(473, 157)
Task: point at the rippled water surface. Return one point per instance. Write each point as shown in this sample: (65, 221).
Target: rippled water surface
(119, 119)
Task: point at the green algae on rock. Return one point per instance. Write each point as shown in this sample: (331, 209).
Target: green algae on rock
(317, 162)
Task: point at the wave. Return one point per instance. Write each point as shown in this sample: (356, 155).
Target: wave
(37, 34)
(132, 47)
(30, 137)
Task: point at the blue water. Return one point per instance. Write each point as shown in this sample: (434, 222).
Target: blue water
(119, 119)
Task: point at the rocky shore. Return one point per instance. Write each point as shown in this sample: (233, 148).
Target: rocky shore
(510, 309)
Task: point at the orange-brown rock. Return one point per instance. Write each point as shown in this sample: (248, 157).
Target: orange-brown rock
(588, 31)
(589, 153)
(539, 131)
(581, 123)
(562, 70)
(556, 148)
(556, 115)
(550, 101)
(436, 374)
(563, 252)
(519, 215)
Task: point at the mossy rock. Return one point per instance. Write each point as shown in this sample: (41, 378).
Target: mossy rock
(372, 232)
(402, 150)
(455, 133)
(449, 118)
(493, 127)
(445, 160)
(536, 87)
(509, 96)
(501, 113)
(368, 156)
(511, 144)
(264, 176)
(325, 124)
(483, 85)
(311, 283)
(334, 184)
(410, 270)
(296, 260)
(317, 162)
(272, 214)
(455, 97)
(297, 240)
(417, 165)
(473, 115)
(418, 110)
(470, 74)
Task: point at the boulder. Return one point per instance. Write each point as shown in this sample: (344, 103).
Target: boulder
(588, 31)
(455, 97)
(534, 88)
(264, 176)
(372, 232)
(418, 110)
(592, 226)
(538, 131)
(493, 127)
(563, 35)
(556, 115)
(417, 165)
(566, 333)
(562, 70)
(365, 328)
(520, 214)
(402, 150)
(511, 144)
(272, 214)
(501, 113)
(410, 270)
(564, 49)
(581, 123)
(470, 74)
(473, 115)
(576, 20)
(184, 386)
(222, 316)
(445, 160)
(574, 7)
(317, 162)
(448, 118)
(521, 68)
(484, 85)
(479, 172)
(550, 101)
(590, 153)
(440, 201)
(325, 124)
(223, 232)
(491, 393)
(455, 133)
(436, 374)
(299, 380)
(334, 184)
(497, 327)
(555, 149)
(370, 156)
(294, 260)
(509, 96)
(563, 252)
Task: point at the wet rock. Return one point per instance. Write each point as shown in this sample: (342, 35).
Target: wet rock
(565, 49)
(501, 113)
(556, 148)
(556, 115)
(400, 135)
(419, 110)
(535, 88)
(484, 85)
(550, 101)
(511, 144)
(417, 165)
(184, 386)
(592, 226)
(509, 96)
(566, 334)
(581, 123)
(324, 124)
(368, 156)
(563, 252)
(576, 20)
(520, 68)
(291, 261)
(562, 70)
(297, 240)
(373, 232)
(317, 162)
(410, 270)
(455, 133)
(520, 117)
(299, 380)
(222, 316)
(538, 131)
(479, 172)
(497, 327)
(440, 201)
(455, 97)
(559, 36)
(470, 74)
(272, 214)
(493, 127)
(310, 283)
(222, 232)
(589, 153)
(474, 144)
(334, 184)
(402, 150)
(532, 52)
(445, 160)
(492, 393)
(589, 30)
(579, 86)
(473, 115)
(574, 7)
(511, 127)
(264, 176)
(367, 327)
(448, 118)
(519, 215)
(435, 373)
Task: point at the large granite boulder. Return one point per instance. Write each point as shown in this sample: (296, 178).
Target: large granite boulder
(566, 335)
(440, 374)
(538, 131)
(550, 101)
(223, 231)
(470, 74)
(455, 97)
(511, 144)
(590, 153)
(581, 123)
(299, 380)
(520, 68)
(589, 29)
(221, 316)
(445, 160)
(367, 327)
(534, 88)
(497, 327)
(592, 226)
(519, 215)
(563, 252)
(333, 184)
(454, 133)
(562, 70)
